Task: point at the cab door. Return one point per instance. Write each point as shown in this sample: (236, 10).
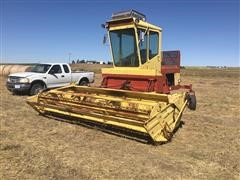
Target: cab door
(67, 74)
(55, 76)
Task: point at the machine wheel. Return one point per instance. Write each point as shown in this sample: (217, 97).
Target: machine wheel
(192, 103)
(35, 89)
(84, 82)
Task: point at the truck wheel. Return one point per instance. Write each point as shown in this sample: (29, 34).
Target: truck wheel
(192, 103)
(35, 89)
(84, 82)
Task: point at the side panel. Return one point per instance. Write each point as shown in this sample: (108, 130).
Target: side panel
(136, 83)
(76, 77)
(170, 62)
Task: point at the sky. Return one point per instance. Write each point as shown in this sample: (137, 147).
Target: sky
(205, 31)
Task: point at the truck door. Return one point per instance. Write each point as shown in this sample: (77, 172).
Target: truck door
(55, 77)
(67, 74)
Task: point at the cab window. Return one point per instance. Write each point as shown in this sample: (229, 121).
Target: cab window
(153, 44)
(66, 69)
(56, 69)
(124, 48)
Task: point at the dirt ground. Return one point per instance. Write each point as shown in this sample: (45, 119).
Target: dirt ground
(206, 147)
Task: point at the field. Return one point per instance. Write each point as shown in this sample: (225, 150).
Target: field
(206, 147)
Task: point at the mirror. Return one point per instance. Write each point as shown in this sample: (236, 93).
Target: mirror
(141, 36)
(105, 38)
(103, 26)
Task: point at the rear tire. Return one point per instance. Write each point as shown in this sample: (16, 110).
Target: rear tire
(192, 103)
(35, 89)
(84, 82)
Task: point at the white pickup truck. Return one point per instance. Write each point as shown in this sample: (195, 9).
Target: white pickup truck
(47, 76)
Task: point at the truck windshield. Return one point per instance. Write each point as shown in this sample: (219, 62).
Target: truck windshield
(41, 68)
(124, 48)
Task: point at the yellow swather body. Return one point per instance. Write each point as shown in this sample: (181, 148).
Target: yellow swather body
(153, 114)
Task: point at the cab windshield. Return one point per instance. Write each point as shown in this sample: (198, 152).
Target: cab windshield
(40, 68)
(124, 48)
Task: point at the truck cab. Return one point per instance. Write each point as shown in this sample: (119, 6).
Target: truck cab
(139, 63)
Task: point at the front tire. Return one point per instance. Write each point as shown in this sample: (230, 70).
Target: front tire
(35, 89)
(192, 102)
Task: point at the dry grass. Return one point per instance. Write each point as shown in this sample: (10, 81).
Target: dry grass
(89, 67)
(207, 147)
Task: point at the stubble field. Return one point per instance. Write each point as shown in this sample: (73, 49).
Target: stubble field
(206, 147)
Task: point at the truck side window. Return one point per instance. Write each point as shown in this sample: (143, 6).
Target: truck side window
(56, 69)
(153, 44)
(66, 69)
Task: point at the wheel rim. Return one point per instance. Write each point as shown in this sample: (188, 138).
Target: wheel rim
(37, 90)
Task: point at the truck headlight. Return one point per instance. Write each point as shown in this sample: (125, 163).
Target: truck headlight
(24, 80)
(8, 79)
